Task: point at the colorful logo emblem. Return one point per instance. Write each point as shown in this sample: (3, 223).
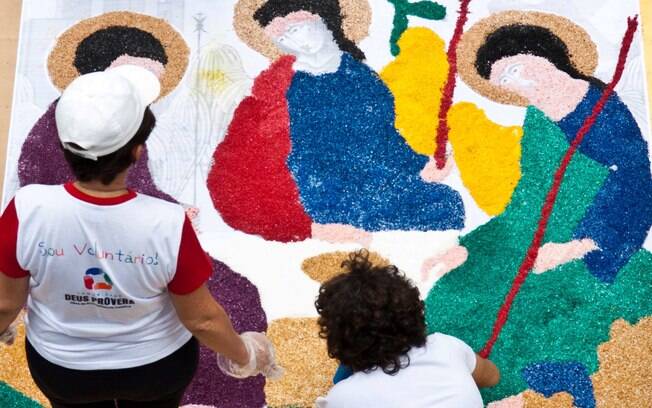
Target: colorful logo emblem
(97, 279)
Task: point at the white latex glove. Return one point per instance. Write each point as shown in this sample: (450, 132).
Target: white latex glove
(261, 359)
(8, 337)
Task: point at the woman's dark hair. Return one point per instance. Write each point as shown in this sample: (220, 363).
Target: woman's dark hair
(106, 168)
(370, 316)
(328, 10)
(516, 39)
(98, 51)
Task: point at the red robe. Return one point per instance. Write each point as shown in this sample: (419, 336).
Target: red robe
(250, 183)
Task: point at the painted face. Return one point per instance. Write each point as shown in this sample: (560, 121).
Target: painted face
(300, 33)
(534, 78)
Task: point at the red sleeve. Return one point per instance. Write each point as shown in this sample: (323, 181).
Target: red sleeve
(250, 183)
(8, 238)
(193, 266)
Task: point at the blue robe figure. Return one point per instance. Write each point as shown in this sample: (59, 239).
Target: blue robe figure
(350, 163)
(621, 214)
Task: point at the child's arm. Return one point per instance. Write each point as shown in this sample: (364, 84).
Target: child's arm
(485, 374)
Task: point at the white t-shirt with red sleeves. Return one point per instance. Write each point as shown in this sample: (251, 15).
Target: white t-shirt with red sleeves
(439, 376)
(100, 271)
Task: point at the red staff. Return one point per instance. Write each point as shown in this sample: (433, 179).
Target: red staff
(546, 211)
(449, 88)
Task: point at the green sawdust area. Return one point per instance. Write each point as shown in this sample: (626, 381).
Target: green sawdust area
(560, 315)
(403, 9)
(10, 398)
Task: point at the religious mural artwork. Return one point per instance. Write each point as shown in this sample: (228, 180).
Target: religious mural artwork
(348, 171)
(591, 254)
(492, 144)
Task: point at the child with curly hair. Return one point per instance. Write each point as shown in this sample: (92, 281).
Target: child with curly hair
(373, 321)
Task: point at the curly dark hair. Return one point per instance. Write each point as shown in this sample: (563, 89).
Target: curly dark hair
(370, 316)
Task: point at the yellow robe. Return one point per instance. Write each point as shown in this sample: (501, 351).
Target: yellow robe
(486, 153)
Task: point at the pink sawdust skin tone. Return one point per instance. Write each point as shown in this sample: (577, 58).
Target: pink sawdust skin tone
(151, 65)
(540, 82)
(557, 94)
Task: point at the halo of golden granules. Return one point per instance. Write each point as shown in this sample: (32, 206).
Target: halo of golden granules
(356, 19)
(582, 50)
(308, 369)
(323, 267)
(61, 66)
(15, 371)
(624, 378)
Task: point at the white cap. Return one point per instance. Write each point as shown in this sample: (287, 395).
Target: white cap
(102, 111)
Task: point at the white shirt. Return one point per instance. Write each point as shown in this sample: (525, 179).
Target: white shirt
(439, 376)
(100, 271)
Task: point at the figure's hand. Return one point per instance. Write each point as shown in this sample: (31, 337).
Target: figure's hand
(551, 255)
(341, 233)
(262, 359)
(9, 336)
(432, 174)
(445, 262)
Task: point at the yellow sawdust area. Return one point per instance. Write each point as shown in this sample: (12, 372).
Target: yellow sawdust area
(487, 154)
(308, 369)
(14, 369)
(323, 267)
(532, 399)
(624, 378)
(416, 78)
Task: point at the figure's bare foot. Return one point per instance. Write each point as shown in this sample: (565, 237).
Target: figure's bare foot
(551, 255)
(445, 262)
(341, 233)
(432, 174)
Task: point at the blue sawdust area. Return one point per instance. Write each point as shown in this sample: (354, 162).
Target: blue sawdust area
(350, 163)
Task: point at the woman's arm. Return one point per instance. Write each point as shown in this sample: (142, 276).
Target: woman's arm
(13, 295)
(239, 356)
(209, 323)
(486, 373)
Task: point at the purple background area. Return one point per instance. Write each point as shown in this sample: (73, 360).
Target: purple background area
(240, 299)
(41, 160)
